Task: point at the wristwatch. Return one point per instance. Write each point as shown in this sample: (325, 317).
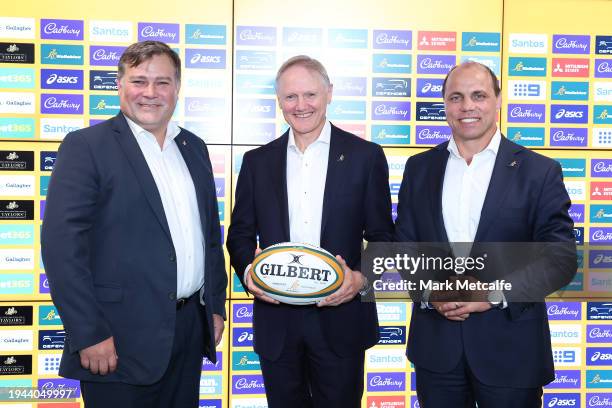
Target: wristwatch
(365, 288)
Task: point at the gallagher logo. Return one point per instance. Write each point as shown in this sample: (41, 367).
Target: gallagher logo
(429, 87)
(571, 44)
(437, 40)
(570, 67)
(392, 335)
(204, 58)
(105, 55)
(61, 79)
(391, 87)
(392, 39)
(430, 111)
(254, 35)
(569, 114)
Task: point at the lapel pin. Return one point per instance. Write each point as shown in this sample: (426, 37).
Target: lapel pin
(341, 158)
(513, 163)
(184, 143)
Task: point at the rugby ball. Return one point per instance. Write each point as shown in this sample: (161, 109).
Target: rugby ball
(297, 274)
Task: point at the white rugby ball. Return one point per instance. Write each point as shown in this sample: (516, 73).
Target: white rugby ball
(297, 274)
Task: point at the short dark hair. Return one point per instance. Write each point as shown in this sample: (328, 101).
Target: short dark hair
(139, 52)
(494, 81)
(307, 62)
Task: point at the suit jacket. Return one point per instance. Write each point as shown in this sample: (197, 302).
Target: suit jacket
(109, 255)
(526, 202)
(356, 205)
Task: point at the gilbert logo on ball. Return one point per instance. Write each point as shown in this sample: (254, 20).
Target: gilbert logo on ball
(297, 274)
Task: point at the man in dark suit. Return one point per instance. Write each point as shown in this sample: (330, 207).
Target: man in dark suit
(319, 185)
(480, 187)
(131, 246)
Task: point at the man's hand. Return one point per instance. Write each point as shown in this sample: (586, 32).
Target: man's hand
(218, 326)
(258, 293)
(101, 358)
(472, 295)
(460, 309)
(352, 284)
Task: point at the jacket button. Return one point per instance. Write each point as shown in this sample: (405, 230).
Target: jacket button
(172, 257)
(172, 296)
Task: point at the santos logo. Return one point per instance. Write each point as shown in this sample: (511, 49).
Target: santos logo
(387, 358)
(58, 128)
(396, 165)
(111, 31)
(528, 43)
(566, 333)
(576, 189)
(249, 403)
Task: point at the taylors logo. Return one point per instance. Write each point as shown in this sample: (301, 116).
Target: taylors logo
(570, 67)
(603, 68)
(346, 110)
(601, 190)
(242, 312)
(392, 311)
(60, 54)
(61, 79)
(390, 134)
(599, 311)
(52, 29)
(566, 333)
(573, 167)
(565, 379)
(168, 33)
(17, 27)
(386, 358)
(47, 160)
(564, 310)
(392, 63)
(571, 44)
(388, 110)
(599, 356)
(51, 128)
(480, 42)
(256, 35)
(526, 136)
(392, 335)
(432, 135)
(16, 160)
(576, 212)
(71, 387)
(257, 108)
(567, 356)
(602, 91)
(242, 337)
(526, 113)
(51, 339)
(105, 55)
(386, 382)
(437, 40)
(102, 80)
(599, 333)
(111, 31)
(16, 209)
(568, 136)
(576, 189)
(569, 114)
(598, 400)
(600, 258)
(602, 114)
(16, 234)
(248, 384)
(208, 365)
(429, 87)
(204, 107)
(204, 58)
(528, 43)
(18, 186)
(435, 64)
(351, 86)
(17, 102)
(391, 87)
(66, 104)
(430, 111)
(254, 84)
(17, 78)
(527, 66)
(392, 39)
(527, 90)
(19, 53)
(16, 259)
(302, 37)
(562, 400)
(245, 361)
(603, 44)
(205, 34)
(255, 60)
(103, 104)
(15, 364)
(602, 137)
(347, 38)
(16, 340)
(48, 316)
(601, 235)
(491, 61)
(16, 315)
(569, 91)
(599, 379)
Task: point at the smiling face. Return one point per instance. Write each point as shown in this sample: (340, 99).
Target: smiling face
(303, 97)
(471, 104)
(148, 93)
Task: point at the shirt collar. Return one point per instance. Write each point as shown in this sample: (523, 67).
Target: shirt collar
(172, 130)
(324, 137)
(492, 147)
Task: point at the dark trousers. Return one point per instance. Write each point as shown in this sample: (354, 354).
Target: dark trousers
(308, 374)
(179, 387)
(459, 388)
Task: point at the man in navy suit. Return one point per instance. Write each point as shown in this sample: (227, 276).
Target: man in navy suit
(131, 246)
(323, 186)
(480, 187)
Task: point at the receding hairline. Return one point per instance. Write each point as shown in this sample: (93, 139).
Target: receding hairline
(469, 65)
(306, 62)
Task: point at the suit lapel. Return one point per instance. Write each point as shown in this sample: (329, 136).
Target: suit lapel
(278, 177)
(504, 171)
(136, 159)
(436, 180)
(337, 162)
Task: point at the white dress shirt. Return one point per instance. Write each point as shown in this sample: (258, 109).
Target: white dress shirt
(306, 175)
(178, 197)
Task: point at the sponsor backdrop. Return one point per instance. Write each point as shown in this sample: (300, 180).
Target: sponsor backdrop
(387, 62)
